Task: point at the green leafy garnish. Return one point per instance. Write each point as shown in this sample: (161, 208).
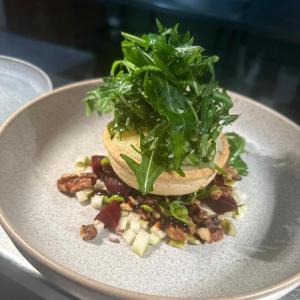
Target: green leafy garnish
(237, 146)
(165, 87)
(205, 192)
(176, 209)
(179, 211)
(147, 171)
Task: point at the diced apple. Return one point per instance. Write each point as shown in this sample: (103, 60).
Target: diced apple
(241, 210)
(155, 229)
(99, 185)
(177, 244)
(96, 201)
(135, 225)
(123, 223)
(129, 236)
(124, 213)
(99, 226)
(141, 242)
(144, 224)
(134, 216)
(84, 194)
(228, 227)
(154, 239)
(192, 240)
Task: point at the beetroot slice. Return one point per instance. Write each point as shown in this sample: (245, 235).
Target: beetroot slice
(222, 205)
(96, 163)
(110, 215)
(115, 185)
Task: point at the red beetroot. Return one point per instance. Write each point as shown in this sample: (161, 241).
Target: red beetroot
(222, 205)
(115, 185)
(219, 180)
(110, 215)
(96, 163)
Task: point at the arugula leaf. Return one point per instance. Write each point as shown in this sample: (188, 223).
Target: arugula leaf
(176, 209)
(179, 211)
(237, 146)
(170, 103)
(165, 85)
(145, 172)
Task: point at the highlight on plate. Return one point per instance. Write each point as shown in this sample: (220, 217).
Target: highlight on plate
(170, 171)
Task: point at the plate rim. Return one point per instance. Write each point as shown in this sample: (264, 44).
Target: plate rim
(107, 289)
(33, 67)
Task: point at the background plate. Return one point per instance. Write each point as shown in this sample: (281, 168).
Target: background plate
(44, 139)
(20, 81)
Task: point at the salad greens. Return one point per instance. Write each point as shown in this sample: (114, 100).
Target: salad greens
(237, 146)
(164, 89)
(176, 209)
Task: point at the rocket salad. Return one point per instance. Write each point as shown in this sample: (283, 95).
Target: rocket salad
(165, 89)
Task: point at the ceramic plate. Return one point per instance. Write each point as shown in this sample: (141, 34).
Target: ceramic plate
(43, 139)
(20, 81)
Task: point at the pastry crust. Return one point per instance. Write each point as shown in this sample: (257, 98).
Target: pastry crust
(168, 183)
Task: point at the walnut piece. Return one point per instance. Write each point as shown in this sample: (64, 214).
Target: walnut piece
(176, 233)
(73, 183)
(216, 235)
(221, 191)
(88, 232)
(232, 174)
(204, 234)
(210, 235)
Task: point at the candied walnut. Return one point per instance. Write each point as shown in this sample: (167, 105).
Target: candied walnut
(192, 227)
(203, 233)
(222, 191)
(216, 194)
(88, 232)
(197, 213)
(132, 201)
(73, 183)
(216, 235)
(176, 232)
(211, 222)
(126, 207)
(210, 235)
(232, 174)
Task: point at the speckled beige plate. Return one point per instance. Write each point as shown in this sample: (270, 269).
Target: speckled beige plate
(42, 140)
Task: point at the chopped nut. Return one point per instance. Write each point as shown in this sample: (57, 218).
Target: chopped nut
(192, 227)
(216, 194)
(176, 233)
(132, 202)
(125, 206)
(204, 234)
(222, 191)
(156, 215)
(73, 183)
(232, 174)
(216, 235)
(197, 213)
(88, 232)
